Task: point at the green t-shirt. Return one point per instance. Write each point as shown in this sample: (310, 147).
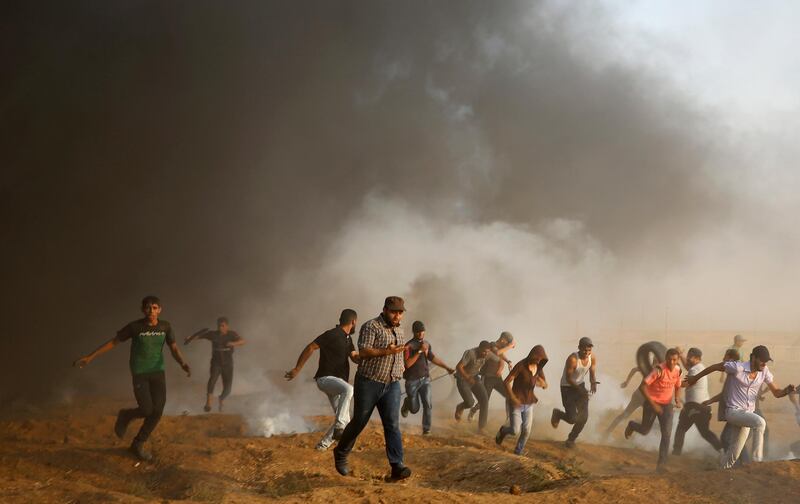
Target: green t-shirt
(146, 344)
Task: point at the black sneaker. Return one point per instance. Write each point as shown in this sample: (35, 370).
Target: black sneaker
(404, 410)
(337, 434)
(569, 444)
(207, 408)
(121, 425)
(137, 448)
(459, 410)
(426, 433)
(400, 473)
(499, 437)
(628, 430)
(340, 462)
(554, 418)
(472, 412)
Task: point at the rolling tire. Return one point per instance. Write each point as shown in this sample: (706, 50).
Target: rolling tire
(646, 353)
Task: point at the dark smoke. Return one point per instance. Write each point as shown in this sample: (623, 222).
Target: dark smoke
(199, 150)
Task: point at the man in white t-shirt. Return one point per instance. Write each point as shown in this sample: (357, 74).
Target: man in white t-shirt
(741, 391)
(693, 412)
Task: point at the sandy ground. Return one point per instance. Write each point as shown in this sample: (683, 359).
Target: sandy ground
(69, 454)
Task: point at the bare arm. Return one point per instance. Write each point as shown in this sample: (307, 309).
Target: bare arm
(196, 335)
(569, 368)
(714, 399)
(541, 381)
(592, 375)
(780, 392)
(632, 372)
(355, 357)
(691, 380)
(508, 382)
(176, 354)
(237, 342)
(682, 357)
(105, 347)
(502, 354)
(441, 364)
(463, 373)
(410, 359)
(301, 361)
(368, 353)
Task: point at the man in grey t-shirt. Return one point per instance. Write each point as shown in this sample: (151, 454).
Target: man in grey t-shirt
(467, 374)
(492, 370)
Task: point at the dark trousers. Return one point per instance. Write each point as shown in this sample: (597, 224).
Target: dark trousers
(695, 414)
(576, 409)
(223, 367)
(419, 392)
(150, 390)
(466, 390)
(491, 383)
(367, 395)
(649, 416)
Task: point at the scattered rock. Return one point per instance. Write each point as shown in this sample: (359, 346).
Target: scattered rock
(515, 490)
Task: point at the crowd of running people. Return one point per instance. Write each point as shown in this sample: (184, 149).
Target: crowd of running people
(384, 358)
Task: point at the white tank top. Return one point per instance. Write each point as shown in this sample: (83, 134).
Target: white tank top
(579, 375)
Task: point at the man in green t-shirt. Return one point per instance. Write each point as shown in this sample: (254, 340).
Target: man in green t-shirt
(147, 336)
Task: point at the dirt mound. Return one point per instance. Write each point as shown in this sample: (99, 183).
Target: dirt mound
(72, 456)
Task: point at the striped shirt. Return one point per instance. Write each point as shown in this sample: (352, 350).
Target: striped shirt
(376, 333)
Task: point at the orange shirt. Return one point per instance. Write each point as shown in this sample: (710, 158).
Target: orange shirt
(661, 387)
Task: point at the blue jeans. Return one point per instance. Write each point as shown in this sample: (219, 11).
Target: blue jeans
(419, 391)
(368, 394)
(339, 393)
(521, 420)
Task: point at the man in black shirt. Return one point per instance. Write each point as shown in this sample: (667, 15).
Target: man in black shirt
(418, 354)
(147, 336)
(223, 341)
(333, 374)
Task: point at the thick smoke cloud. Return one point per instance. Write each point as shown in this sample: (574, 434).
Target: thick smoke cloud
(278, 161)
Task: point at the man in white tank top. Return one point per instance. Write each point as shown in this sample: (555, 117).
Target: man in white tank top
(574, 395)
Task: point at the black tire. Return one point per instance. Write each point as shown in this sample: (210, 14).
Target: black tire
(646, 353)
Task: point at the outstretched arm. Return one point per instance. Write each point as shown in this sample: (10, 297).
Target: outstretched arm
(198, 334)
(105, 347)
(632, 372)
(176, 354)
(691, 380)
(593, 374)
(301, 361)
(780, 392)
(439, 362)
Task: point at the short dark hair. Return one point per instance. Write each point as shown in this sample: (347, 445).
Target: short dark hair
(671, 352)
(732, 353)
(222, 319)
(348, 315)
(484, 345)
(695, 352)
(150, 300)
